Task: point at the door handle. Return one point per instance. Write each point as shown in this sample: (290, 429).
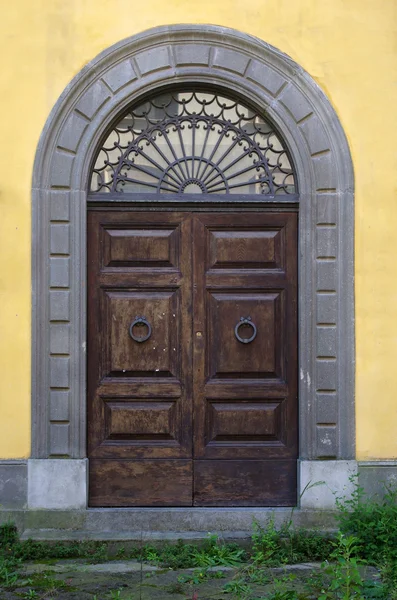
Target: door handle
(245, 321)
(140, 322)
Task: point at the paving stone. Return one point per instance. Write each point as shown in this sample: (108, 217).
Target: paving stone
(131, 580)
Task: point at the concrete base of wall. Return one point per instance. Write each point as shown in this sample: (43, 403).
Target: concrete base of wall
(47, 499)
(57, 483)
(322, 481)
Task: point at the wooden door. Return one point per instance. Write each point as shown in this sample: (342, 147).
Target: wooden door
(245, 420)
(139, 393)
(184, 408)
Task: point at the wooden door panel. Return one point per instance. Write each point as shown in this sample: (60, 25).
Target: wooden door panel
(140, 248)
(133, 427)
(245, 483)
(227, 356)
(247, 248)
(139, 387)
(126, 357)
(136, 420)
(237, 388)
(150, 431)
(244, 421)
(140, 482)
(241, 428)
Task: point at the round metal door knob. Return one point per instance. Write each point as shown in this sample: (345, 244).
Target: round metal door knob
(140, 322)
(245, 321)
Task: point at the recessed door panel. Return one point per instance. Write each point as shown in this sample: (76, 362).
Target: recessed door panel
(140, 248)
(156, 314)
(250, 248)
(245, 334)
(245, 422)
(138, 420)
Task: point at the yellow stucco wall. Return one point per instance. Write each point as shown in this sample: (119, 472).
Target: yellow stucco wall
(348, 46)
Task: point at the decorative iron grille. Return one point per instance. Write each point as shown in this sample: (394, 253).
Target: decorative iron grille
(193, 142)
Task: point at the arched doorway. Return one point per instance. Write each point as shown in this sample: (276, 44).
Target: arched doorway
(264, 79)
(192, 307)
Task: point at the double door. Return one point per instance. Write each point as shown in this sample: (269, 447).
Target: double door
(192, 358)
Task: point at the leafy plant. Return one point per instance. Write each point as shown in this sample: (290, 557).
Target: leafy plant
(283, 595)
(345, 578)
(254, 574)
(195, 578)
(238, 587)
(212, 553)
(8, 535)
(266, 545)
(151, 555)
(302, 545)
(372, 521)
(199, 576)
(30, 594)
(121, 552)
(215, 553)
(389, 577)
(282, 588)
(9, 563)
(274, 548)
(100, 554)
(9, 571)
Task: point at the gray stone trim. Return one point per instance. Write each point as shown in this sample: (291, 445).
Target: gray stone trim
(376, 476)
(282, 89)
(138, 524)
(13, 484)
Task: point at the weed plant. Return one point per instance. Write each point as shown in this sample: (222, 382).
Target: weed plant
(9, 562)
(343, 571)
(288, 545)
(373, 521)
(212, 553)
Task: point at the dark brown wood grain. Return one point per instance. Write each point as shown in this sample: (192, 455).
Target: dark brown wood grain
(139, 264)
(244, 483)
(232, 378)
(140, 482)
(192, 407)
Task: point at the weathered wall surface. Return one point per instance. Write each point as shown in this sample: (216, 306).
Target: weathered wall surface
(350, 50)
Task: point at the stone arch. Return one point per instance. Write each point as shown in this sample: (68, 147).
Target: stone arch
(268, 79)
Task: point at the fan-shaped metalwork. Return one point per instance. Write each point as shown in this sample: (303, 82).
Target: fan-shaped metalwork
(193, 142)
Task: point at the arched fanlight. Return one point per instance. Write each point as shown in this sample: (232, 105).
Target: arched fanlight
(193, 142)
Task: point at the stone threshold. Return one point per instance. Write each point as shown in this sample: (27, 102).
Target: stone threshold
(158, 523)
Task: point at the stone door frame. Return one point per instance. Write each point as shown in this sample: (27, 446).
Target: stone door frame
(280, 88)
